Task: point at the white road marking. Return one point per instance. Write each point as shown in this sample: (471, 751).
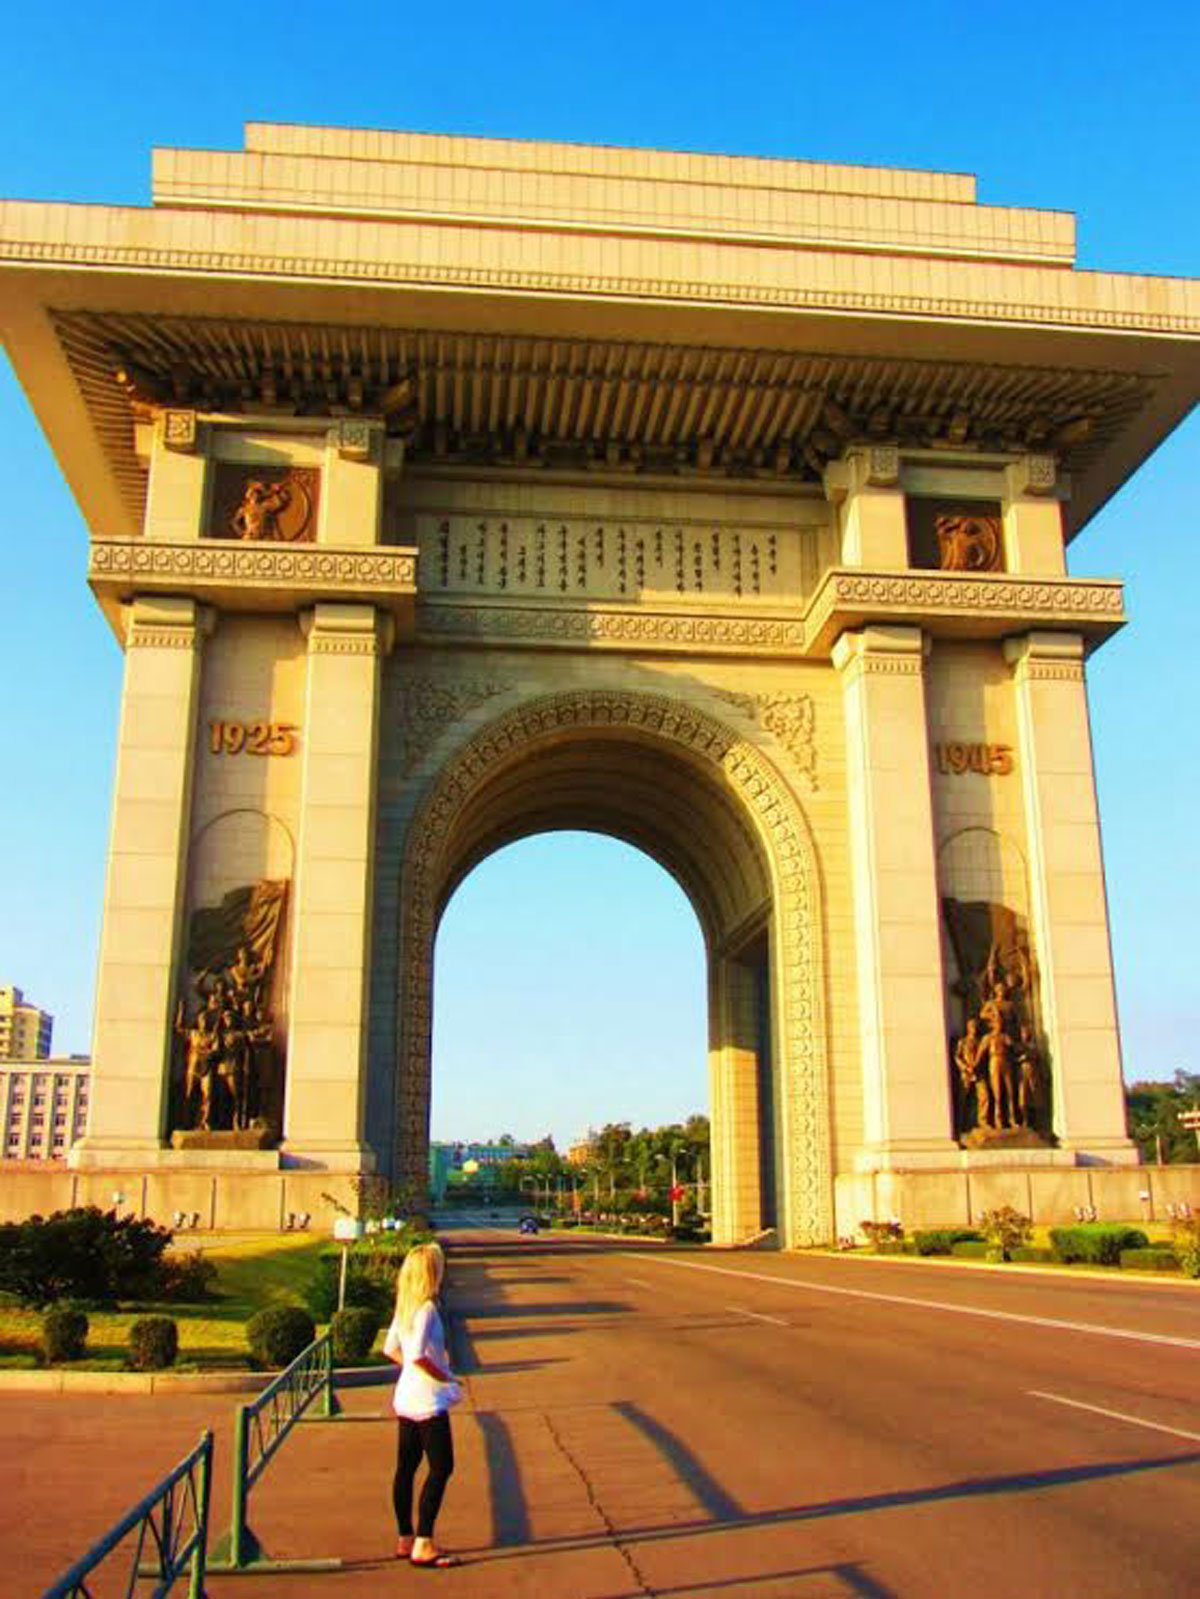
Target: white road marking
(1115, 1415)
(757, 1315)
(935, 1304)
(639, 1282)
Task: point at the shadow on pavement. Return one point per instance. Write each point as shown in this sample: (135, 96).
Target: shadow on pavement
(535, 1312)
(968, 1488)
(856, 1583)
(510, 1515)
(720, 1505)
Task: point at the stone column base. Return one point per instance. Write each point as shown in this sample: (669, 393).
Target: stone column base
(905, 1155)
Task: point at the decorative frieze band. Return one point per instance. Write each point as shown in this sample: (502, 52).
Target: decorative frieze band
(263, 578)
(1000, 593)
(568, 626)
(230, 562)
(957, 604)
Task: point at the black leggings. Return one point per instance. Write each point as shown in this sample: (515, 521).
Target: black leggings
(416, 1438)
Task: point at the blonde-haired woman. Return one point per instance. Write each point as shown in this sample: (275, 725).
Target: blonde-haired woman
(425, 1392)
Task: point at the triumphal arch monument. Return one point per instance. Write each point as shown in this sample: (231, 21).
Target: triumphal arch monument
(443, 491)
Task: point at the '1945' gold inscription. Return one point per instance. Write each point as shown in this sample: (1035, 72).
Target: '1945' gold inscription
(252, 738)
(989, 760)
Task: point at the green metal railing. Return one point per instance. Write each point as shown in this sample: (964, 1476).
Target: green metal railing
(170, 1529)
(259, 1430)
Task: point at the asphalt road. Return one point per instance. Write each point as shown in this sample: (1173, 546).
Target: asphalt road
(644, 1422)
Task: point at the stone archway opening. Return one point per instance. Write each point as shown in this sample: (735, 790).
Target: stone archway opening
(709, 809)
(569, 992)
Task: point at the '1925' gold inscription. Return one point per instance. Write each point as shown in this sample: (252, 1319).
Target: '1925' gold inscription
(989, 760)
(252, 738)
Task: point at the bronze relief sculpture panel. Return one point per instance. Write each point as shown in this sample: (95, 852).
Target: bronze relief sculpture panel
(968, 543)
(1000, 1076)
(955, 535)
(228, 1085)
(265, 504)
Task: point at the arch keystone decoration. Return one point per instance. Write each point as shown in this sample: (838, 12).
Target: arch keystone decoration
(780, 831)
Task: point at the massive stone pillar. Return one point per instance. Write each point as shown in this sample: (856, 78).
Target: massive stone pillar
(734, 1077)
(1069, 908)
(325, 1097)
(146, 885)
(906, 1103)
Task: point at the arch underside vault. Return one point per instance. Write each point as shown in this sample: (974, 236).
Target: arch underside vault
(716, 814)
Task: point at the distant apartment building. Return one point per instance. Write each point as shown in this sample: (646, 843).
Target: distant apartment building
(44, 1105)
(24, 1029)
(451, 1164)
(582, 1151)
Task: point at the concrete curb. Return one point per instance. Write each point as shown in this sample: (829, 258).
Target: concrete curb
(1099, 1274)
(172, 1382)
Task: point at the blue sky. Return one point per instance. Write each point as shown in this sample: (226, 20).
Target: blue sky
(1089, 108)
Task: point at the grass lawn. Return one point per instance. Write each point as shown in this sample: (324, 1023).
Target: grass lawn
(251, 1274)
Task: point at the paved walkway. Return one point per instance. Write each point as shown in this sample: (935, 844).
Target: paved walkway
(728, 1427)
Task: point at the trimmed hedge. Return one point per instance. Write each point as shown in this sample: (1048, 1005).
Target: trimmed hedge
(153, 1343)
(353, 1333)
(64, 1333)
(1032, 1254)
(1152, 1258)
(971, 1249)
(941, 1240)
(279, 1333)
(1095, 1243)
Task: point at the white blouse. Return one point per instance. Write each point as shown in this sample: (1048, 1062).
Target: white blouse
(418, 1396)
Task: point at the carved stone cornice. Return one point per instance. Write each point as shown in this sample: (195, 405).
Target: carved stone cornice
(236, 576)
(890, 293)
(961, 605)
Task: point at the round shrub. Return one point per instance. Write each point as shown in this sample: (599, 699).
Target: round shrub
(153, 1343)
(279, 1333)
(353, 1332)
(370, 1282)
(64, 1333)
